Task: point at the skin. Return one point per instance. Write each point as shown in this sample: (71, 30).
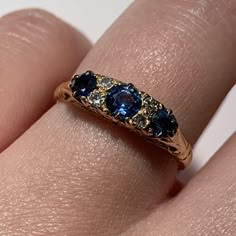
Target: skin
(71, 173)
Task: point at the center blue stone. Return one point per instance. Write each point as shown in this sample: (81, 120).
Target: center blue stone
(83, 85)
(123, 100)
(163, 123)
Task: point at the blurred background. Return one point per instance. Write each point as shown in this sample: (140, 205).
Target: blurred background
(93, 17)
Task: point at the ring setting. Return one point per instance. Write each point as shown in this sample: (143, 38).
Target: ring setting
(127, 106)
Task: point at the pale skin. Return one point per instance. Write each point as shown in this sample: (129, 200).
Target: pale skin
(71, 173)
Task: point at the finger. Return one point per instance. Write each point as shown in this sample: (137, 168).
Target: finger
(205, 207)
(100, 175)
(38, 51)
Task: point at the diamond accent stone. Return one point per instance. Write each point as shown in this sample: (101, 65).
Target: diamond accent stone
(140, 121)
(150, 105)
(96, 99)
(106, 82)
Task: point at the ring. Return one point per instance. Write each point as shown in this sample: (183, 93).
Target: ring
(125, 105)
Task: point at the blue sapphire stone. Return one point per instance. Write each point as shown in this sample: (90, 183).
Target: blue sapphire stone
(163, 123)
(123, 100)
(83, 85)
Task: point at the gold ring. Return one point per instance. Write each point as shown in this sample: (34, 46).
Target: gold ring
(127, 106)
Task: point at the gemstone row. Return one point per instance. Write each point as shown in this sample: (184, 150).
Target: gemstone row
(125, 103)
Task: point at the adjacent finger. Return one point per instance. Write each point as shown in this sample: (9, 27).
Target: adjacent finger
(101, 176)
(205, 207)
(38, 51)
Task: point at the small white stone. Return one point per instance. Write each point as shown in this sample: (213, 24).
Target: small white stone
(96, 99)
(106, 82)
(140, 121)
(150, 104)
(147, 100)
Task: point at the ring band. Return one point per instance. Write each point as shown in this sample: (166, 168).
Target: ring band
(127, 106)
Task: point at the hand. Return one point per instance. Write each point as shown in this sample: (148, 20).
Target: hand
(74, 174)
